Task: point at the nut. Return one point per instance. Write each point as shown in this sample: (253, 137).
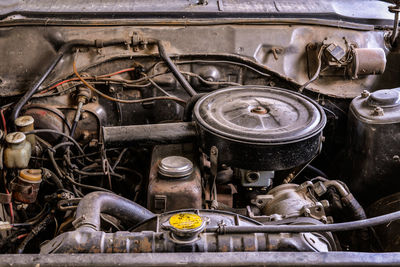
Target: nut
(365, 94)
(378, 111)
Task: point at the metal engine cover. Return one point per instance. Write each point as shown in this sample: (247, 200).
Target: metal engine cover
(260, 128)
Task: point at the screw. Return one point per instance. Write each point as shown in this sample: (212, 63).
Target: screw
(396, 158)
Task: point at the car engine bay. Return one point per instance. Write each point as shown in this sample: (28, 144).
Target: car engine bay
(214, 138)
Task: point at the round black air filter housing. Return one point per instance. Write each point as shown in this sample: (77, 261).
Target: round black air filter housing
(260, 128)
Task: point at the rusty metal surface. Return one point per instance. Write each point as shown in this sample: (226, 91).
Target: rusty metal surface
(252, 42)
(154, 242)
(206, 259)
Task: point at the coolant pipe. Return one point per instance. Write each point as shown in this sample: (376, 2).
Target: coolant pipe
(90, 207)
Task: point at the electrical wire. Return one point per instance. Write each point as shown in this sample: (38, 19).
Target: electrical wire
(60, 174)
(59, 133)
(317, 72)
(178, 100)
(159, 87)
(77, 79)
(119, 158)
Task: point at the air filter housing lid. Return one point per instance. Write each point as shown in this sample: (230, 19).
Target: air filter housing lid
(259, 115)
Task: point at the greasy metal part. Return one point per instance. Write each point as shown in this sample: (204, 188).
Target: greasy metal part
(251, 178)
(291, 201)
(373, 145)
(367, 61)
(163, 133)
(152, 236)
(288, 135)
(153, 242)
(90, 207)
(388, 234)
(166, 193)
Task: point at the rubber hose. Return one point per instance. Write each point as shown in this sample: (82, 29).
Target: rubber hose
(90, 207)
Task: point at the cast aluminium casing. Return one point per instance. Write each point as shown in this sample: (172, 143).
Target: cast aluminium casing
(374, 144)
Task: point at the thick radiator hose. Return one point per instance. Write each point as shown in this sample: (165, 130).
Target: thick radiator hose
(90, 207)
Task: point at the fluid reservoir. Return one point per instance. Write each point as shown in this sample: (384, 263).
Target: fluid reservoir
(18, 151)
(374, 144)
(174, 181)
(26, 124)
(26, 186)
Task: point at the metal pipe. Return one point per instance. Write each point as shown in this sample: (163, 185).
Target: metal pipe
(335, 227)
(151, 134)
(90, 207)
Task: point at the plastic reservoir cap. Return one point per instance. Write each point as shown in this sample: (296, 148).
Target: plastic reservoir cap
(384, 98)
(24, 121)
(15, 138)
(33, 175)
